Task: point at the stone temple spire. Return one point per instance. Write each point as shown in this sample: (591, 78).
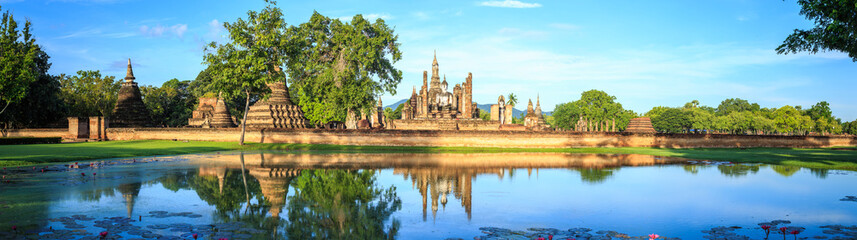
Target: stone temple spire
(129, 75)
(538, 106)
(433, 63)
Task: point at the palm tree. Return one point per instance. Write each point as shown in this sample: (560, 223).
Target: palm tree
(513, 100)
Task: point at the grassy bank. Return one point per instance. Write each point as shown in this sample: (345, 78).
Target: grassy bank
(16, 155)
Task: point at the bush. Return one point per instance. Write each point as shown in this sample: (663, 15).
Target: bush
(29, 140)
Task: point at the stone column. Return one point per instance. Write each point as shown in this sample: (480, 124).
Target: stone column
(78, 128)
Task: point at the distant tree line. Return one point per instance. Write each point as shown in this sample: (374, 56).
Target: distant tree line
(738, 116)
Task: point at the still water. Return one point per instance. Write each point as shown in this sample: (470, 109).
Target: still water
(278, 195)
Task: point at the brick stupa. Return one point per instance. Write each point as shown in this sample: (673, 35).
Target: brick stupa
(277, 111)
(130, 111)
(211, 113)
(640, 125)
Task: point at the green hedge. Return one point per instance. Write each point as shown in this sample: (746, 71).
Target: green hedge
(29, 140)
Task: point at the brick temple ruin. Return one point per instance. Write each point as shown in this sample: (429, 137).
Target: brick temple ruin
(277, 111)
(435, 102)
(211, 112)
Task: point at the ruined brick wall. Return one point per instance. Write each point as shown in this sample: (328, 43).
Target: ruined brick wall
(503, 139)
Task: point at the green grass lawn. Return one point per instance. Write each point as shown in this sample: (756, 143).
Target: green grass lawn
(17, 155)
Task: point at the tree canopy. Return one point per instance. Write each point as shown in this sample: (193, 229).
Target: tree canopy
(89, 94)
(835, 28)
(593, 105)
(171, 104)
(18, 68)
(337, 66)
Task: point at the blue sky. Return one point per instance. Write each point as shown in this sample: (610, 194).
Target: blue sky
(646, 53)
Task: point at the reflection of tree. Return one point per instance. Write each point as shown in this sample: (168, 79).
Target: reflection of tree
(786, 171)
(819, 173)
(341, 204)
(175, 181)
(227, 199)
(694, 168)
(595, 175)
(96, 194)
(737, 170)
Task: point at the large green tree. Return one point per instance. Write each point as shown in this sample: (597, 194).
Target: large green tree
(672, 120)
(339, 66)
(42, 94)
(254, 57)
(171, 104)
(89, 94)
(18, 51)
(594, 105)
(835, 28)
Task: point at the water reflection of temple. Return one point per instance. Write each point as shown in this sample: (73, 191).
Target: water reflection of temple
(435, 175)
(438, 183)
(129, 193)
(275, 185)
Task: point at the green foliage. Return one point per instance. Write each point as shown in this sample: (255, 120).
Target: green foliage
(672, 120)
(735, 105)
(394, 114)
(89, 94)
(484, 115)
(42, 94)
(512, 100)
(339, 66)
(171, 104)
(594, 105)
(790, 120)
(29, 140)
(850, 127)
(835, 28)
(18, 67)
(341, 204)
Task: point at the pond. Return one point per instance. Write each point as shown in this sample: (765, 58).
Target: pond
(281, 195)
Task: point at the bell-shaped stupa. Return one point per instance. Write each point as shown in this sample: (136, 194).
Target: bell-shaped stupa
(277, 111)
(130, 111)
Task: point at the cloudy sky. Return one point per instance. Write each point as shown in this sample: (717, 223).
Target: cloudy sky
(646, 53)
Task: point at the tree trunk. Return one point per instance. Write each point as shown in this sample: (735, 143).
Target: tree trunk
(4, 108)
(244, 120)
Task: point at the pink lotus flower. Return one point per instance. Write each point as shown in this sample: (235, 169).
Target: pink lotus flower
(83, 174)
(653, 236)
(194, 236)
(550, 237)
(103, 234)
(795, 232)
(767, 229)
(93, 174)
(14, 228)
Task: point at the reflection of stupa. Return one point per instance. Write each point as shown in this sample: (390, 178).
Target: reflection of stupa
(220, 172)
(129, 193)
(275, 185)
(437, 183)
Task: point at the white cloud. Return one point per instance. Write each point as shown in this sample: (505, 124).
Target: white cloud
(565, 26)
(160, 31)
(509, 4)
(97, 33)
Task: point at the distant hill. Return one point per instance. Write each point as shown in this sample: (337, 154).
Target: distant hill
(483, 107)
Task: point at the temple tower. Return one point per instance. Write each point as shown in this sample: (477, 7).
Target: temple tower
(130, 111)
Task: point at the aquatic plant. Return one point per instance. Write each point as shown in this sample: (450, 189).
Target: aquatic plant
(194, 236)
(795, 233)
(783, 231)
(103, 234)
(767, 229)
(653, 236)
